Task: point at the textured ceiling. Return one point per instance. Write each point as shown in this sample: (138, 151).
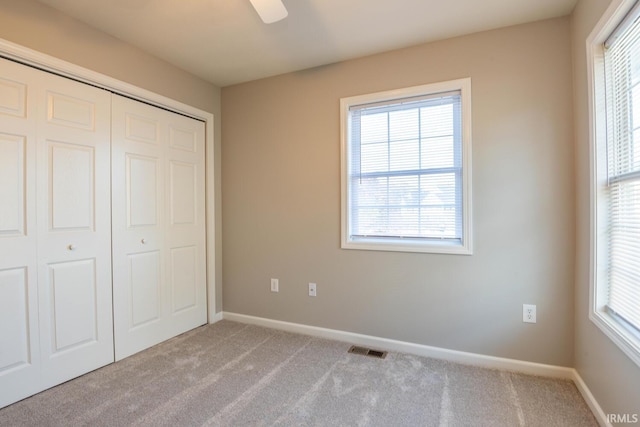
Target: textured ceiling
(225, 42)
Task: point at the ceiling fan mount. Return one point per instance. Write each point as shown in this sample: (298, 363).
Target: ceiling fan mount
(270, 11)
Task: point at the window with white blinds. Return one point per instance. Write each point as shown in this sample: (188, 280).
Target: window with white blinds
(622, 188)
(405, 158)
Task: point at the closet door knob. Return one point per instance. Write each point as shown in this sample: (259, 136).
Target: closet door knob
(143, 241)
(71, 247)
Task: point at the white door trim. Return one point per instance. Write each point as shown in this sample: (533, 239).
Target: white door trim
(49, 63)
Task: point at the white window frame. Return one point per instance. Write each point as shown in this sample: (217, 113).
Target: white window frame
(417, 245)
(627, 339)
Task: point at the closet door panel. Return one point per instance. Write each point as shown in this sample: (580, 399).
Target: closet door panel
(14, 289)
(138, 179)
(13, 91)
(146, 293)
(71, 111)
(74, 229)
(14, 320)
(183, 189)
(186, 226)
(12, 184)
(142, 179)
(184, 278)
(72, 187)
(19, 337)
(143, 240)
(158, 225)
(73, 306)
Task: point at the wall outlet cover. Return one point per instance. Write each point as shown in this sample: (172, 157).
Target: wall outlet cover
(529, 313)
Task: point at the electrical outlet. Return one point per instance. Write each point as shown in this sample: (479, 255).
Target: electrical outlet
(274, 285)
(528, 313)
(312, 289)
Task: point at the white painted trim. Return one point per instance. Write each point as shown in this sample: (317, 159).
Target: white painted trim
(410, 348)
(49, 63)
(211, 221)
(216, 317)
(593, 404)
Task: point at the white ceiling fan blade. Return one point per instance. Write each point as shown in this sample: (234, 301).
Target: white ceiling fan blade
(270, 10)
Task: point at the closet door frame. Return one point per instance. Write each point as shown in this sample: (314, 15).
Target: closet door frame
(45, 62)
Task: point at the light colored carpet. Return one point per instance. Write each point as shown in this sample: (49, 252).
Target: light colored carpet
(231, 374)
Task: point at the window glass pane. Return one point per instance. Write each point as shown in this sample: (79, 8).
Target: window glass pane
(634, 63)
(404, 190)
(374, 128)
(624, 293)
(635, 94)
(634, 149)
(437, 152)
(371, 191)
(438, 222)
(438, 190)
(404, 155)
(404, 222)
(374, 158)
(403, 125)
(415, 205)
(370, 222)
(635, 159)
(437, 120)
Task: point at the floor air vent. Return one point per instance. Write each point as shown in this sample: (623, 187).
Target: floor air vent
(367, 352)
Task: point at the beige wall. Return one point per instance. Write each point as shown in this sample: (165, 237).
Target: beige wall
(281, 201)
(281, 192)
(38, 27)
(611, 376)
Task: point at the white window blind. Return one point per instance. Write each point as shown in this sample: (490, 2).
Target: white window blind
(622, 68)
(406, 168)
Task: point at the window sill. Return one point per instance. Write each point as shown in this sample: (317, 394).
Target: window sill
(625, 339)
(433, 247)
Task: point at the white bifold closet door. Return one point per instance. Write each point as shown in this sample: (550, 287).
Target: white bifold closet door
(74, 229)
(19, 338)
(55, 229)
(158, 240)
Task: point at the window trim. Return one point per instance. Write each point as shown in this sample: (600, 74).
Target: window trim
(620, 334)
(410, 245)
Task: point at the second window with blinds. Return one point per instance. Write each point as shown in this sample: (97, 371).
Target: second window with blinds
(615, 173)
(406, 169)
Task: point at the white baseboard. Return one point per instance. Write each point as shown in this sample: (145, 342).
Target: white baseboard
(216, 317)
(410, 348)
(591, 401)
(433, 352)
